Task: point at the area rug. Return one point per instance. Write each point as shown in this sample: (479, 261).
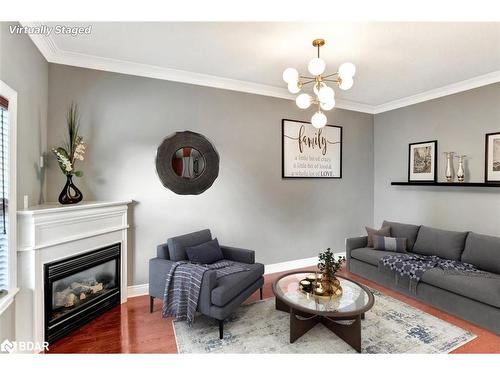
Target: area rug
(391, 326)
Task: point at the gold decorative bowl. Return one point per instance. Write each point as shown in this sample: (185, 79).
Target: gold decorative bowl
(334, 289)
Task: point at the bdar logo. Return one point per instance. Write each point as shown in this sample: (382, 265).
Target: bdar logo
(6, 346)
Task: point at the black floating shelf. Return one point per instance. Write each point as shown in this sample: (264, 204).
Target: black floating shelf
(464, 184)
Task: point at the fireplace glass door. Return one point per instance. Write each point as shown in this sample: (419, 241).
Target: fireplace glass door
(75, 290)
(80, 288)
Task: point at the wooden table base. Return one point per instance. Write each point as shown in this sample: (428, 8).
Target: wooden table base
(301, 322)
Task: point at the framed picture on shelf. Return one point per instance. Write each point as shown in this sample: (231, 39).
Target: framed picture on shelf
(422, 162)
(307, 152)
(492, 158)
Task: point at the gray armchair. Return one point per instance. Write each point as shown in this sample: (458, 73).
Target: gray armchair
(218, 297)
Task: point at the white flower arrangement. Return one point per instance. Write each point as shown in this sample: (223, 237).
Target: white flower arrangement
(75, 148)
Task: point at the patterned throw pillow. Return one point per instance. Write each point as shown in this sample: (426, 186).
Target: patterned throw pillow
(384, 231)
(389, 244)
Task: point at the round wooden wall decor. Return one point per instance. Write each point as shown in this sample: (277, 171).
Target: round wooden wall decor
(187, 163)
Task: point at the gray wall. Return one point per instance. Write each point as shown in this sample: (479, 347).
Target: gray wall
(124, 119)
(459, 122)
(24, 69)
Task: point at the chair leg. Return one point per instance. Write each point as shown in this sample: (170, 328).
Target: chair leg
(261, 293)
(221, 329)
(151, 303)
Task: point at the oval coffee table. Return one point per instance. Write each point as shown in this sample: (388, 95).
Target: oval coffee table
(307, 310)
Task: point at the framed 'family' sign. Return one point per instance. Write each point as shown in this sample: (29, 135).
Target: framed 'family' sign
(308, 152)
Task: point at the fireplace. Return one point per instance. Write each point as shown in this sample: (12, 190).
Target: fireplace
(80, 288)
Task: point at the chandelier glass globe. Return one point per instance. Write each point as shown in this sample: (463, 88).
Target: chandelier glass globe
(293, 87)
(326, 106)
(290, 75)
(303, 101)
(326, 94)
(318, 86)
(316, 66)
(347, 70)
(318, 120)
(346, 83)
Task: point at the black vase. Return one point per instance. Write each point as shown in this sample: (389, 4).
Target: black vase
(70, 194)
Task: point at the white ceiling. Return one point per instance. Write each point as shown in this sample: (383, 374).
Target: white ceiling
(394, 60)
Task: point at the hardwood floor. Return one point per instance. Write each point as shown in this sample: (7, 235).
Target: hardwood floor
(130, 328)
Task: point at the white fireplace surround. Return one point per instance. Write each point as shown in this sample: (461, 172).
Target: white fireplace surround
(53, 232)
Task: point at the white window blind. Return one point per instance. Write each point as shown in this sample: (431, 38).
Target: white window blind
(4, 192)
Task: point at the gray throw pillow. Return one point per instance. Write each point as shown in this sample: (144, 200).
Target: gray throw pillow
(176, 245)
(402, 230)
(385, 231)
(483, 252)
(445, 244)
(205, 253)
(389, 244)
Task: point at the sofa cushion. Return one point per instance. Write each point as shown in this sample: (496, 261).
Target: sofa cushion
(177, 245)
(485, 289)
(408, 231)
(205, 253)
(368, 255)
(442, 243)
(389, 244)
(483, 252)
(230, 286)
(384, 231)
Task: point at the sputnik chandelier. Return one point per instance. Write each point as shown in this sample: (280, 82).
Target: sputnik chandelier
(324, 96)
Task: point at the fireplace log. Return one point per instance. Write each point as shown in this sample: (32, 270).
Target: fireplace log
(75, 293)
(87, 288)
(70, 300)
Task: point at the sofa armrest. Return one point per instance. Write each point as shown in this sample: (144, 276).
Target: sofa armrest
(354, 243)
(208, 283)
(238, 255)
(158, 272)
(162, 251)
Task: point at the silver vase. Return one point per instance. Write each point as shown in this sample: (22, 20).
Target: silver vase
(449, 166)
(461, 169)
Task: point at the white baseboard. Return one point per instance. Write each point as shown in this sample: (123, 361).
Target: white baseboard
(143, 289)
(137, 290)
(290, 265)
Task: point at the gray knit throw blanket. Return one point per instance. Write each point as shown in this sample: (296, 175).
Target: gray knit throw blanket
(413, 266)
(182, 289)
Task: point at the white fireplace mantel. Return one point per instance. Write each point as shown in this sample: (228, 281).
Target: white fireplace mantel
(52, 232)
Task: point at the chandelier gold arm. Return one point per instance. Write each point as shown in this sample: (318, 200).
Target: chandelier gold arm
(333, 80)
(307, 82)
(331, 75)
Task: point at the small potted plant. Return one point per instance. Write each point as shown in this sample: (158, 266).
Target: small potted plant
(68, 155)
(329, 266)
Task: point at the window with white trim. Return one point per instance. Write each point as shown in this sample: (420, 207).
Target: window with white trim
(4, 195)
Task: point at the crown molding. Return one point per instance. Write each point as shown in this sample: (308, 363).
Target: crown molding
(439, 92)
(53, 54)
(354, 106)
(183, 76)
(45, 44)
(167, 74)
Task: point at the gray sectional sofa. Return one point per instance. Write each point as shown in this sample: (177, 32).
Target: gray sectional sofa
(473, 298)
